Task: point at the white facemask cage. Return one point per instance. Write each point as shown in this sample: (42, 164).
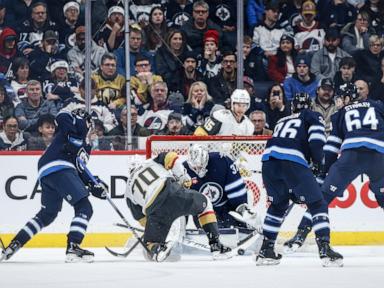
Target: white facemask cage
(198, 159)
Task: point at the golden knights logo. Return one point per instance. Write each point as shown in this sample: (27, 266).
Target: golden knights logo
(213, 191)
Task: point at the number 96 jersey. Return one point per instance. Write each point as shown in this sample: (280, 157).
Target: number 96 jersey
(146, 183)
(298, 138)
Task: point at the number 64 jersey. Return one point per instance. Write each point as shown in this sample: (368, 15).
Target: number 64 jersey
(298, 138)
(357, 125)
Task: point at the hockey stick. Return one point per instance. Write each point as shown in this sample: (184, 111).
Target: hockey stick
(125, 254)
(108, 197)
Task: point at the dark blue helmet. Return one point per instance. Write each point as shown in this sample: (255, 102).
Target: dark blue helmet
(301, 101)
(349, 90)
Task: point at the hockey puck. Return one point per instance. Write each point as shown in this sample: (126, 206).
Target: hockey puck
(240, 251)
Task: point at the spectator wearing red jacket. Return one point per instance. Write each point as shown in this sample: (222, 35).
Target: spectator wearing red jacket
(281, 65)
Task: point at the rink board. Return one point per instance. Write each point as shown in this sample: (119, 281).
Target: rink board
(355, 219)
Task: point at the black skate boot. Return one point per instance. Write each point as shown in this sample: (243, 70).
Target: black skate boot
(267, 254)
(8, 252)
(76, 254)
(328, 256)
(296, 241)
(218, 250)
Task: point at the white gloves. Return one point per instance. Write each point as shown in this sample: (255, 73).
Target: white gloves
(248, 216)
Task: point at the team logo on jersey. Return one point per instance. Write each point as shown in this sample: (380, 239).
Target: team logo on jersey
(213, 191)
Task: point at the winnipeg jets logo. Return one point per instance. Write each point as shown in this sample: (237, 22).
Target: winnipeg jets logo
(213, 191)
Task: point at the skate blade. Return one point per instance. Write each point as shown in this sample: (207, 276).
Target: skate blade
(72, 258)
(217, 256)
(291, 249)
(328, 262)
(266, 261)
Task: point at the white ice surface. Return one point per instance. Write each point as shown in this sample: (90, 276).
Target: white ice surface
(45, 268)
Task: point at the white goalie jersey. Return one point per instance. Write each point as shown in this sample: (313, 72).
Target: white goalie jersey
(146, 182)
(228, 124)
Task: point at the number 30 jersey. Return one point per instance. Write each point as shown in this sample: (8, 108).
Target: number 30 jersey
(298, 138)
(357, 125)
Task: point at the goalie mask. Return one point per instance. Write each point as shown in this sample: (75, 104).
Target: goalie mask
(301, 101)
(240, 96)
(198, 159)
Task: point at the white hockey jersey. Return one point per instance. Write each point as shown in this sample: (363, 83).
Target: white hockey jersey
(146, 183)
(223, 122)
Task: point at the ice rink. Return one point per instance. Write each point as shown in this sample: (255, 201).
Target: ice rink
(363, 268)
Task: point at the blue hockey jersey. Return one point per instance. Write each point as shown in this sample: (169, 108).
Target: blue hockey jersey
(357, 125)
(222, 183)
(69, 139)
(299, 138)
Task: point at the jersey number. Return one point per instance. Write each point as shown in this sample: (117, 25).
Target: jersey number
(353, 121)
(287, 129)
(144, 178)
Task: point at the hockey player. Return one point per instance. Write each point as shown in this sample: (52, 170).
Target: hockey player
(156, 199)
(229, 122)
(297, 139)
(357, 132)
(61, 178)
(217, 177)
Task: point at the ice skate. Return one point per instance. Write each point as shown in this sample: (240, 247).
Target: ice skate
(329, 257)
(76, 254)
(8, 252)
(219, 251)
(267, 254)
(296, 241)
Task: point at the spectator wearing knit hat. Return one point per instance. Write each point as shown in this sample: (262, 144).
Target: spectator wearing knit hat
(60, 86)
(71, 11)
(210, 64)
(175, 125)
(187, 75)
(302, 81)
(198, 25)
(281, 65)
(111, 35)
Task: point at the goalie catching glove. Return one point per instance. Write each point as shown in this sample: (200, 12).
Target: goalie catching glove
(246, 215)
(98, 190)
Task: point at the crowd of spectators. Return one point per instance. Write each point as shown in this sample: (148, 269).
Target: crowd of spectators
(183, 62)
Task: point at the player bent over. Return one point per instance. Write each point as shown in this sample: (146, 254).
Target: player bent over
(358, 133)
(218, 177)
(296, 140)
(61, 179)
(156, 199)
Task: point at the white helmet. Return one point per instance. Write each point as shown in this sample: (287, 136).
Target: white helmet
(198, 159)
(240, 96)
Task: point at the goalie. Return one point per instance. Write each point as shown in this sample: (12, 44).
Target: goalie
(217, 177)
(156, 199)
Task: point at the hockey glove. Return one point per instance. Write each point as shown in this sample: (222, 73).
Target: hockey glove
(98, 190)
(319, 173)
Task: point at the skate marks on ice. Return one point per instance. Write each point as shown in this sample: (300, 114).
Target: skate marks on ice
(31, 268)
